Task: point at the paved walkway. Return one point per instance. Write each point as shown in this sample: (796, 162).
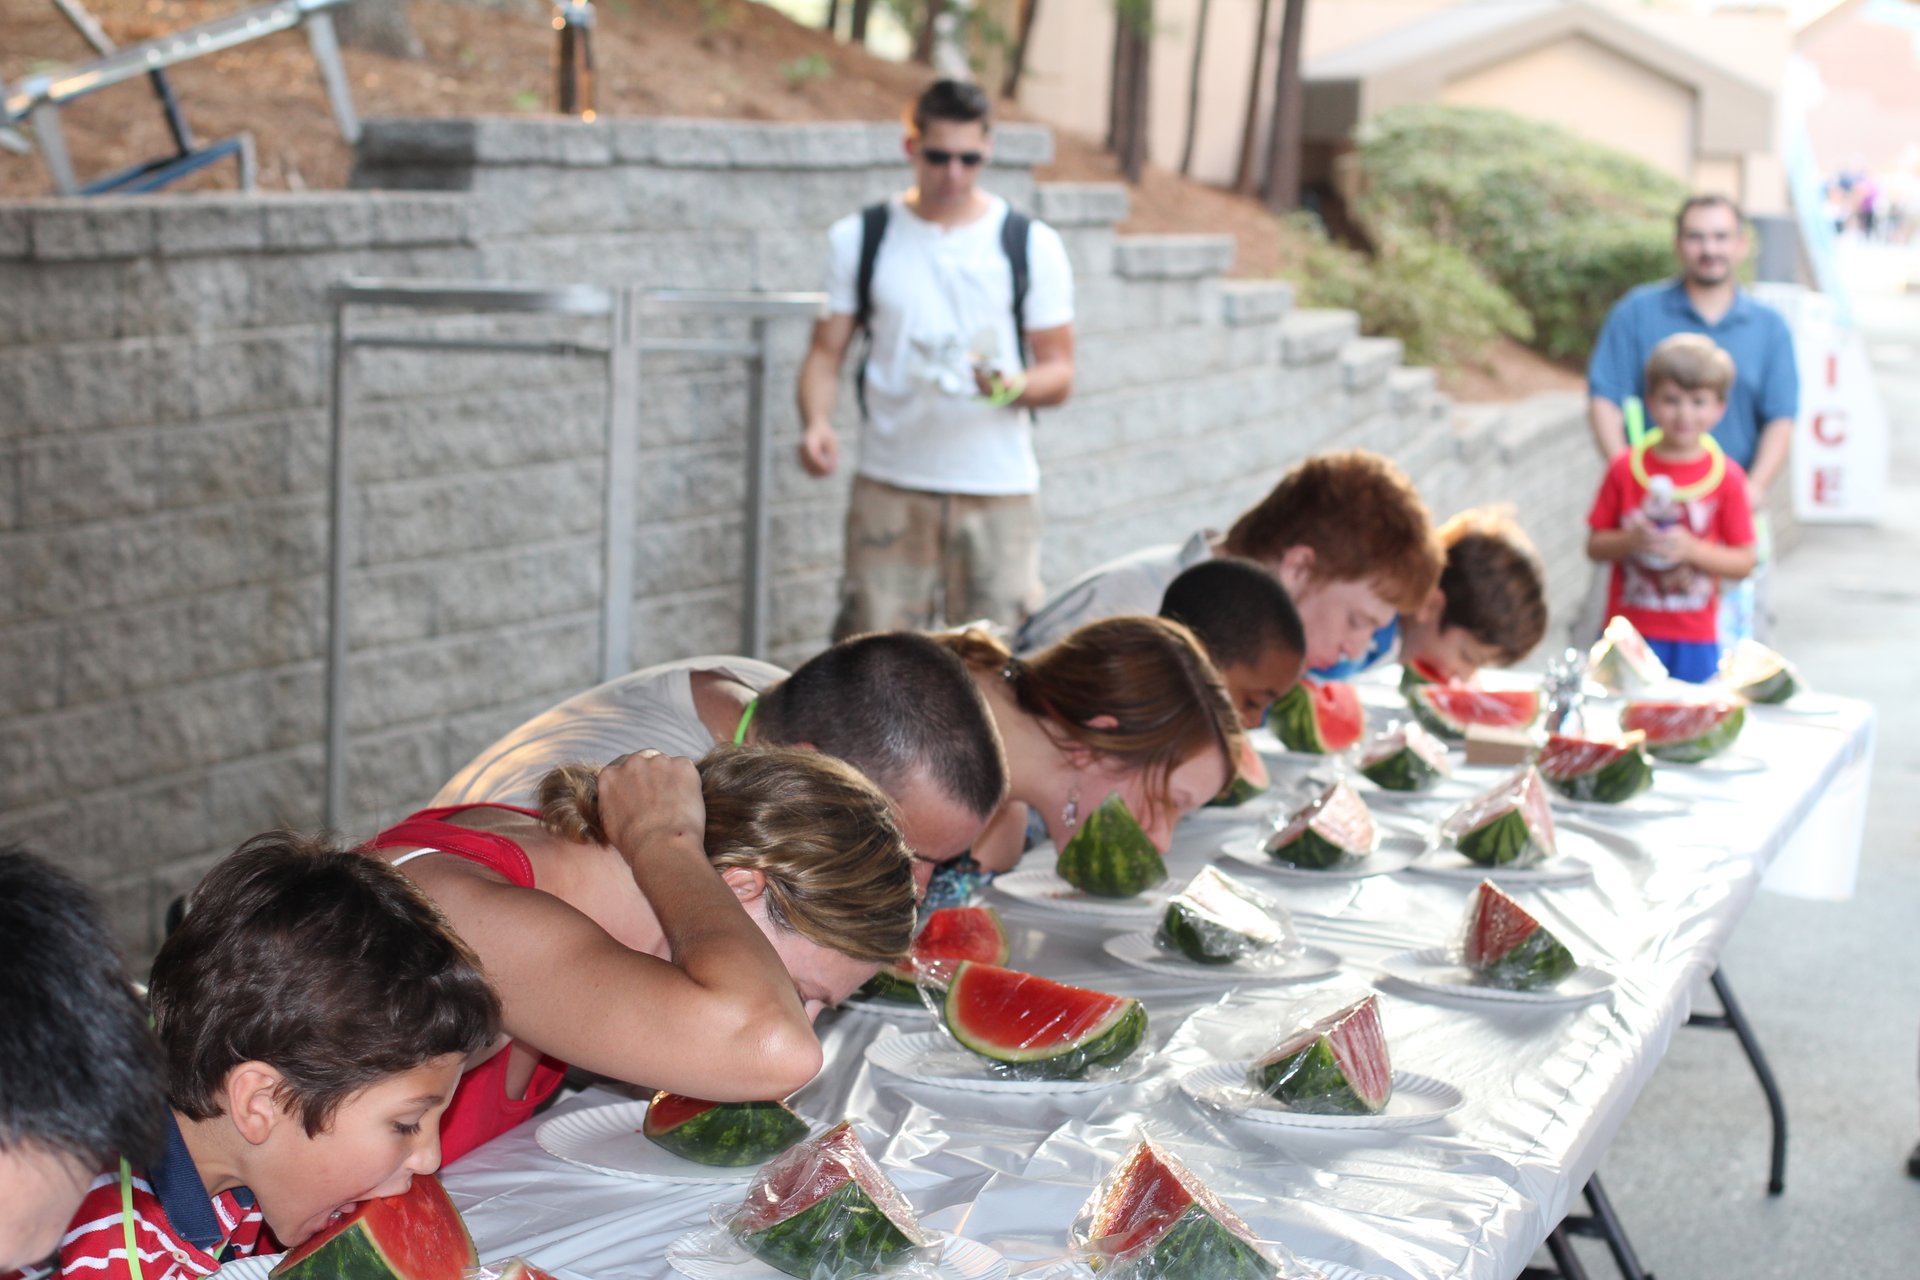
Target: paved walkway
(1833, 988)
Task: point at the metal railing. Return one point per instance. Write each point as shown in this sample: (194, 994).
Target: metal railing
(627, 310)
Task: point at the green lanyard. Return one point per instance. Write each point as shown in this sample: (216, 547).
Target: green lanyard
(126, 1223)
(739, 740)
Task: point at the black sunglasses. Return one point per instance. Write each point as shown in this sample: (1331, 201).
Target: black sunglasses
(941, 159)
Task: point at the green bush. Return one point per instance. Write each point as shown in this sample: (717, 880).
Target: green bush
(1427, 294)
(1563, 224)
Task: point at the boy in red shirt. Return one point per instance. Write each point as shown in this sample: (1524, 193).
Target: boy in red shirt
(314, 1012)
(1672, 513)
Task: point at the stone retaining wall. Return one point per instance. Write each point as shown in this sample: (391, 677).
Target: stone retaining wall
(164, 369)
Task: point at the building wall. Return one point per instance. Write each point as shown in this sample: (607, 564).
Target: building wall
(1596, 93)
(165, 362)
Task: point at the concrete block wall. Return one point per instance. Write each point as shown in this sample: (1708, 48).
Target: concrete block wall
(164, 368)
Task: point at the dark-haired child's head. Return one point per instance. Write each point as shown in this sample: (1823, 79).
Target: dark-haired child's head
(79, 1074)
(315, 1011)
(1490, 608)
(1246, 621)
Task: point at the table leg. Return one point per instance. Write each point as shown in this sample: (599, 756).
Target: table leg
(1732, 1019)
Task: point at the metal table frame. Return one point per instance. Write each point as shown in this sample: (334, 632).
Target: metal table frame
(627, 309)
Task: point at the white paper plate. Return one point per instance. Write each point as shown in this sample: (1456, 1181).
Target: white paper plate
(253, 1268)
(608, 1140)
(1416, 1100)
(1395, 853)
(959, 1260)
(931, 1057)
(1140, 951)
(1434, 969)
(1043, 885)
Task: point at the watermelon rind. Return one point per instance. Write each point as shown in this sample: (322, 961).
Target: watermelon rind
(416, 1235)
(947, 936)
(1614, 782)
(1541, 961)
(1196, 1245)
(1306, 1074)
(1332, 828)
(1250, 779)
(1758, 674)
(1621, 661)
(1152, 1219)
(1415, 673)
(1405, 757)
(1494, 829)
(1106, 1043)
(862, 1225)
(1218, 920)
(1690, 750)
(728, 1134)
(1110, 855)
(1496, 708)
(1295, 718)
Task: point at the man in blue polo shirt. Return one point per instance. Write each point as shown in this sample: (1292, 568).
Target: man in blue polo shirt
(1710, 239)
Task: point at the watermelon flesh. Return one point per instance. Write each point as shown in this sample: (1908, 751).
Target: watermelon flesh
(1686, 732)
(1508, 948)
(1152, 1219)
(416, 1235)
(1318, 718)
(723, 1134)
(1250, 778)
(512, 1269)
(1600, 770)
(1218, 920)
(1621, 660)
(947, 936)
(1405, 758)
(1337, 1066)
(1758, 674)
(1450, 709)
(1509, 826)
(1110, 855)
(1029, 1028)
(1335, 826)
(825, 1211)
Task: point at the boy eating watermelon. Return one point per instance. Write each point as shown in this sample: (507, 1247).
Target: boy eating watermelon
(1490, 606)
(1672, 514)
(314, 1013)
(1242, 617)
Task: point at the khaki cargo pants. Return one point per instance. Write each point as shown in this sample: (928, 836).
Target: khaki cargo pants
(919, 560)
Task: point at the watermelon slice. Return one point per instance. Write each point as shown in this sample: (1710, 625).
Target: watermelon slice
(1152, 1219)
(1686, 732)
(1450, 709)
(1250, 779)
(825, 1211)
(1217, 920)
(515, 1269)
(1405, 758)
(1509, 826)
(1621, 661)
(1602, 770)
(948, 935)
(1758, 674)
(416, 1235)
(1318, 718)
(1029, 1028)
(1338, 1066)
(723, 1134)
(1508, 948)
(1418, 671)
(1110, 855)
(1336, 825)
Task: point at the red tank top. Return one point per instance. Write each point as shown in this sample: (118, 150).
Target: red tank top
(481, 1109)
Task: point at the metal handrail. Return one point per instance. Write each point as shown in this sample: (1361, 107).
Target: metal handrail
(625, 308)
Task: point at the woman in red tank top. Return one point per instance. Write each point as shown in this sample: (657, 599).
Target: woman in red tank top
(673, 925)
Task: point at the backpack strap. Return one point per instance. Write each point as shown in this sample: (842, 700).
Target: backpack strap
(873, 225)
(1013, 241)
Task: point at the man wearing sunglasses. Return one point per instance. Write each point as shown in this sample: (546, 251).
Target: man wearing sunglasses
(968, 312)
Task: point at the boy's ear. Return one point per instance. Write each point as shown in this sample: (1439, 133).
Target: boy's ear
(1103, 721)
(746, 883)
(252, 1095)
(1295, 569)
(1432, 607)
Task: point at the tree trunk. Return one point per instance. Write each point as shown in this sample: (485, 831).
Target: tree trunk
(924, 39)
(379, 26)
(858, 33)
(1244, 176)
(1139, 91)
(1193, 88)
(1017, 60)
(1116, 78)
(1283, 133)
(833, 18)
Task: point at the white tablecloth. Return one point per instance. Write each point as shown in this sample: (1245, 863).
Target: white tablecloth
(1472, 1195)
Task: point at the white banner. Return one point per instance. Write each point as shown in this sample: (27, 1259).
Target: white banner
(1840, 441)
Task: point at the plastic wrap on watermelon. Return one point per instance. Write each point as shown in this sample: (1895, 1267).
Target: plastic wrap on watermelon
(822, 1211)
(1597, 770)
(1621, 661)
(1152, 1219)
(947, 936)
(1509, 826)
(1507, 947)
(1757, 673)
(1217, 919)
(1334, 827)
(1404, 757)
(1025, 1027)
(1337, 1065)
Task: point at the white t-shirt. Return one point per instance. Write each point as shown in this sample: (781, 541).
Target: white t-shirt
(1134, 583)
(942, 299)
(651, 708)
